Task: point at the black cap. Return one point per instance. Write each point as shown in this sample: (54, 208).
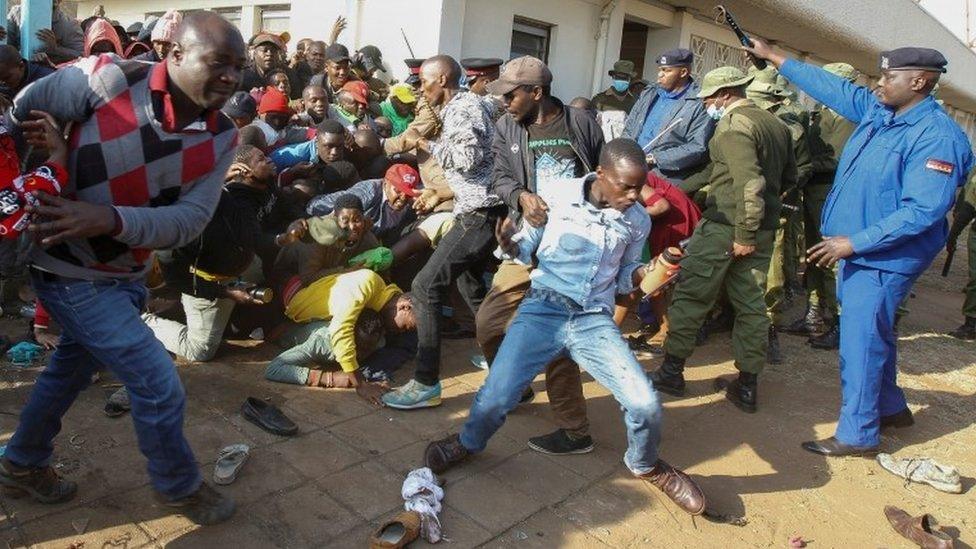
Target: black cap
(240, 105)
(901, 59)
(134, 28)
(479, 65)
(676, 58)
(371, 57)
(337, 52)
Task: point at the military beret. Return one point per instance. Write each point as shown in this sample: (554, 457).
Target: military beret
(925, 59)
(843, 70)
(476, 66)
(676, 57)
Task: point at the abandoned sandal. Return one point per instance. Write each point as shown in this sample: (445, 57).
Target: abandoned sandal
(399, 532)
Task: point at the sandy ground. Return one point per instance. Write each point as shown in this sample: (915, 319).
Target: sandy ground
(332, 484)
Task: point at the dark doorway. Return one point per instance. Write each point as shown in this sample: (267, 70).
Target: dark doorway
(633, 45)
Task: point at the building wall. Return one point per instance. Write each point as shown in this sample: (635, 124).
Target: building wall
(573, 44)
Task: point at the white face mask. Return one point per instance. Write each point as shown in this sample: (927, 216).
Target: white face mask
(715, 112)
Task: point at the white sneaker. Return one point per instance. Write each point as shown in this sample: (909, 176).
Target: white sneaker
(944, 478)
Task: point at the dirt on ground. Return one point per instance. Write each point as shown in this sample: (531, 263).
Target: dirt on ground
(331, 485)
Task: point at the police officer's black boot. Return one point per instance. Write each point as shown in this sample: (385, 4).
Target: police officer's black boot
(829, 340)
(740, 391)
(669, 377)
(808, 325)
(773, 354)
(967, 330)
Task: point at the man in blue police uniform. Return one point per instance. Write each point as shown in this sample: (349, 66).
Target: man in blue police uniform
(884, 221)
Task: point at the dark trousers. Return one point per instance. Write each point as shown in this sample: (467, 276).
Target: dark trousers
(462, 256)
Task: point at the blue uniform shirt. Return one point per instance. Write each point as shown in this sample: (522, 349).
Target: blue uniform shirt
(897, 176)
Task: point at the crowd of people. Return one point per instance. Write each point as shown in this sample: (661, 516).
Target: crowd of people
(209, 187)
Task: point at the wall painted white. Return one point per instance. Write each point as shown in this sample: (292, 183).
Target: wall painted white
(488, 33)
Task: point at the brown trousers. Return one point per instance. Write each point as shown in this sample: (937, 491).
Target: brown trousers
(563, 383)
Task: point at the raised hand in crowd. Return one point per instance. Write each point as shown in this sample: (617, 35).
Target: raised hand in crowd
(337, 27)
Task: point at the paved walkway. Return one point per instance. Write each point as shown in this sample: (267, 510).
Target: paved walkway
(334, 482)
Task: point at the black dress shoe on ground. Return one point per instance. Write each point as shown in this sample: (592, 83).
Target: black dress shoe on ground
(740, 391)
(561, 443)
(828, 341)
(268, 417)
(898, 420)
(669, 377)
(807, 325)
(834, 448)
(967, 331)
(206, 506)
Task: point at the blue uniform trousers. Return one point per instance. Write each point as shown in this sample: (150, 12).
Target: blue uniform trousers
(869, 298)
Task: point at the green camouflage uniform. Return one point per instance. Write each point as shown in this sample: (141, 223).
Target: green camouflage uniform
(767, 94)
(829, 133)
(963, 216)
(751, 160)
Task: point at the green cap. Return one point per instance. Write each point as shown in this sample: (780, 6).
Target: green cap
(722, 77)
(325, 230)
(843, 70)
(624, 67)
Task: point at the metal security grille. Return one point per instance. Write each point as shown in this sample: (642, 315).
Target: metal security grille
(710, 54)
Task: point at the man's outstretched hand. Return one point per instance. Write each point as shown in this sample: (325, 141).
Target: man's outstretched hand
(762, 50)
(62, 219)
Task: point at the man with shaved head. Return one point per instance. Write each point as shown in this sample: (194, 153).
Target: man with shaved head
(16, 72)
(463, 149)
(149, 151)
(884, 222)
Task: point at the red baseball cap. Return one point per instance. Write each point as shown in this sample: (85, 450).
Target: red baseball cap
(404, 178)
(359, 91)
(273, 101)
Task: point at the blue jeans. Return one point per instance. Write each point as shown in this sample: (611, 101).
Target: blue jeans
(868, 350)
(101, 325)
(548, 326)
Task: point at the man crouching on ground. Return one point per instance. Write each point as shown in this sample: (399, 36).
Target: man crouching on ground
(588, 252)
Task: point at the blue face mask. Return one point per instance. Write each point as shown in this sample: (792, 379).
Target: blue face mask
(620, 86)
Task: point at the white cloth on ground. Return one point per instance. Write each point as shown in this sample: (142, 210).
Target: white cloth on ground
(422, 494)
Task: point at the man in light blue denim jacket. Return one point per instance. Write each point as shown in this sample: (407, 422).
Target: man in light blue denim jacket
(587, 252)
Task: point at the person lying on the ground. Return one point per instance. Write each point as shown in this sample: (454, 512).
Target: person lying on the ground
(323, 245)
(386, 201)
(340, 299)
(310, 360)
(205, 270)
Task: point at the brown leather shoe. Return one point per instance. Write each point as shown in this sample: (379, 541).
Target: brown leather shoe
(397, 533)
(678, 486)
(443, 454)
(919, 530)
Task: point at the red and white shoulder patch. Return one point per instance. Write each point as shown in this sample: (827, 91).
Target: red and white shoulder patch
(940, 166)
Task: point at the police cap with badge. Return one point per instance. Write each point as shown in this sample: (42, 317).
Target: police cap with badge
(905, 59)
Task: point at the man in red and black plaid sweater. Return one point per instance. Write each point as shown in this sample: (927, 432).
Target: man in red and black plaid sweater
(148, 153)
